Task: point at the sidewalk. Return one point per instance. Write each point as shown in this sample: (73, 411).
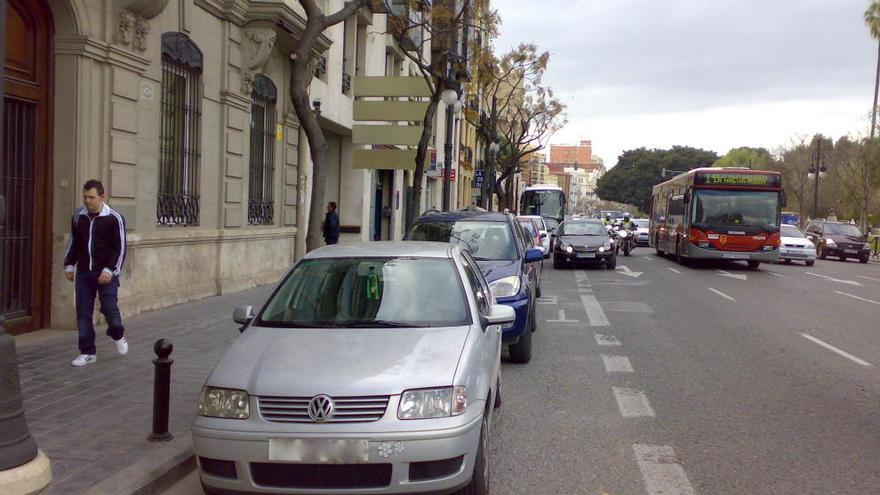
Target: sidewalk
(93, 421)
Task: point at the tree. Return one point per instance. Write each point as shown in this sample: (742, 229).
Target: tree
(855, 164)
(302, 71)
(794, 166)
(872, 20)
(757, 158)
(638, 170)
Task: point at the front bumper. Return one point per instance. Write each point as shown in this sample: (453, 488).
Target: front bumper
(697, 252)
(847, 251)
(797, 253)
(575, 258)
(249, 451)
(510, 334)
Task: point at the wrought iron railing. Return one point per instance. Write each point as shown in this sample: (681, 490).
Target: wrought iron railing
(262, 165)
(321, 66)
(346, 82)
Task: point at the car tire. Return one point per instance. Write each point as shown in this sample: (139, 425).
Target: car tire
(822, 254)
(557, 264)
(753, 264)
(810, 263)
(538, 290)
(533, 316)
(498, 400)
(479, 484)
(864, 259)
(611, 263)
(842, 258)
(521, 352)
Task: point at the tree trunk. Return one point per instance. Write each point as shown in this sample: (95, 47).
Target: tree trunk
(421, 155)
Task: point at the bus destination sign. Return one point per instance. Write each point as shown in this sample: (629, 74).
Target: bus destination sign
(737, 179)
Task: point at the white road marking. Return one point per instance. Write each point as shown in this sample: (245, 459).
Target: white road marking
(584, 290)
(835, 349)
(581, 276)
(857, 297)
(775, 274)
(673, 270)
(606, 340)
(594, 311)
(632, 403)
(832, 279)
(617, 364)
(870, 278)
(546, 300)
(649, 258)
(562, 318)
(623, 269)
(725, 296)
(661, 471)
(738, 276)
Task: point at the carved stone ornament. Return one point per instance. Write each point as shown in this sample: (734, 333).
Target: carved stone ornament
(125, 28)
(258, 47)
(145, 9)
(141, 30)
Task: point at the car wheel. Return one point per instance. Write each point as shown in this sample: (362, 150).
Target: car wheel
(538, 290)
(611, 263)
(479, 484)
(842, 258)
(863, 259)
(521, 352)
(753, 265)
(497, 404)
(557, 263)
(533, 317)
(810, 263)
(822, 254)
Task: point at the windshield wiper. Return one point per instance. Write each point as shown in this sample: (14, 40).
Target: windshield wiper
(382, 324)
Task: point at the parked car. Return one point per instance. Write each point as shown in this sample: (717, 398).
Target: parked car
(584, 241)
(794, 245)
(532, 240)
(840, 239)
(641, 231)
(544, 232)
(372, 367)
(505, 260)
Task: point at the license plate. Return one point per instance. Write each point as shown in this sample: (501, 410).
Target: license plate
(319, 450)
(586, 255)
(851, 251)
(735, 256)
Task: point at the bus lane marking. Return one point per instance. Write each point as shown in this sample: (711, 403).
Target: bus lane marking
(606, 340)
(673, 270)
(837, 350)
(547, 300)
(594, 311)
(562, 318)
(662, 473)
(617, 364)
(632, 403)
(857, 297)
(725, 296)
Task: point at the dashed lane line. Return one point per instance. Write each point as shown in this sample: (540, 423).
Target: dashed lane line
(857, 297)
(617, 364)
(870, 278)
(649, 258)
(837, 350)
(725, 296)
(673, 270)
(632, 403)
(775, 274)
(606, 340)
(594, 311)
(562, 318)
(662, 473)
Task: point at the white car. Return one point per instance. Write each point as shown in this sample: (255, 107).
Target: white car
(641, 231)
(794, 245)
(542, 231)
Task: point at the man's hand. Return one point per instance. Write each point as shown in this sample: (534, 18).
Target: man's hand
(105, 278)
(69, 275)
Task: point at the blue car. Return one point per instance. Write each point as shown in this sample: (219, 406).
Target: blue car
(499, 247)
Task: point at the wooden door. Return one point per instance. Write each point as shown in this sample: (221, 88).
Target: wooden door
(25, 175)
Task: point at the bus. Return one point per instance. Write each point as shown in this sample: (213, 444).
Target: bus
(718, 213)
(545, 200)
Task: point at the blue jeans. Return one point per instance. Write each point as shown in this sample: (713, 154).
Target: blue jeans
(87, 287)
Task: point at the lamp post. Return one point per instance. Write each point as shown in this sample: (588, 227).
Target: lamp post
(817, 171)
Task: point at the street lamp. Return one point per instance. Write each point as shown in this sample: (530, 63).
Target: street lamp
(816, 172)
(449, 97)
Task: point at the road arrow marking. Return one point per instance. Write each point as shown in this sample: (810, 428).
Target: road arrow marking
(606, 340)
(738, 276)
(547, 300)
(623, 269)
(562, 318)
(832, 279)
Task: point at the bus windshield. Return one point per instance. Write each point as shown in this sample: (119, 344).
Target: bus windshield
(548, 204)
(749, 211)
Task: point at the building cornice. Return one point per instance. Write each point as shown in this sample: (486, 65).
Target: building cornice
(101, 51)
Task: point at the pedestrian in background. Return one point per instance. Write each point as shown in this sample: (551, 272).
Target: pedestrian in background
(93, 259)
(331, 224)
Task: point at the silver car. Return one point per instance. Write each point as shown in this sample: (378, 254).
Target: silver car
(372, 368)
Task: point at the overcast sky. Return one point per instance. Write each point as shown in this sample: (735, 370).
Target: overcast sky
(714, 74)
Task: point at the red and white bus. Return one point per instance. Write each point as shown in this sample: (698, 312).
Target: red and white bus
(718, 213)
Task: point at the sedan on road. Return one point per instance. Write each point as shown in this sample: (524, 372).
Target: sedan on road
(584, 241)
(642, 234)
(372, 368)
(839, 239)
(794, 245)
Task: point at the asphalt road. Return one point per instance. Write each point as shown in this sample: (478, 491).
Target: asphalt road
(661, 379)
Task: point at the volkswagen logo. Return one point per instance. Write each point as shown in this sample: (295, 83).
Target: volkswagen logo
(320, 408)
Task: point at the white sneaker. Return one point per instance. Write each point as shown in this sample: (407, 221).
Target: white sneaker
(84, 359)
(121, 346)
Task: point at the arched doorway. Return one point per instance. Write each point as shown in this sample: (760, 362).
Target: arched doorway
(25, 173)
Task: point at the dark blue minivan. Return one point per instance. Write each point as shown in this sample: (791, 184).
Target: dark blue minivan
(498, 246)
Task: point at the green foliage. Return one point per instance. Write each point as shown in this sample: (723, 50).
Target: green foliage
(638, 170)
(756, 158)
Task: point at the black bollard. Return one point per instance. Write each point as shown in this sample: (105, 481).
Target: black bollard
(161, 390)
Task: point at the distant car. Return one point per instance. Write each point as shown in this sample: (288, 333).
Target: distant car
(794, 245)
(506, 260)
(840, 239)
(641, 231)
(372, 368)
(584, 241)
(543, 231)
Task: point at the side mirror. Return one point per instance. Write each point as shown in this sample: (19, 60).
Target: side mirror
(243, 315)
(533, 255)
(499, 314)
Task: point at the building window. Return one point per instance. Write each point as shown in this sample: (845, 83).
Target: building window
(262, 168)
(180, 135)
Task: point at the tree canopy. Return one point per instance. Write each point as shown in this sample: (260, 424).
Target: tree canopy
(757, 158)
(638, 170)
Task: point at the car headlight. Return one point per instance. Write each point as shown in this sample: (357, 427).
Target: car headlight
(505, 287)
(569, 249)
(830, 242)
(433, 403)
(601, 249)
(223, 403)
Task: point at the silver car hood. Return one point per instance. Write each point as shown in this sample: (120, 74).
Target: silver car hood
(339, 362)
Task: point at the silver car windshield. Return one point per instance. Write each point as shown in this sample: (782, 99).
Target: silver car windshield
(369, 293)
(791, 231)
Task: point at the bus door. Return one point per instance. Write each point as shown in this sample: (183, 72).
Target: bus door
(675, 222)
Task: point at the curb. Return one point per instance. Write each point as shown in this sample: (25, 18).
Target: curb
(157, 471)
(28, 479)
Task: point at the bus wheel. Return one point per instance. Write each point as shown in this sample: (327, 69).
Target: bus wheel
(657, 247)
(753, 264)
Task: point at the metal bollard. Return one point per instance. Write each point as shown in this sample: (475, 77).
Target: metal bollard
(161, 390)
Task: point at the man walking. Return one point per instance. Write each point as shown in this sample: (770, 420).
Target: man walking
(94, 257)
(331, 224)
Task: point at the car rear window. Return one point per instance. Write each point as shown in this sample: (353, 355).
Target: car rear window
(484, 240)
